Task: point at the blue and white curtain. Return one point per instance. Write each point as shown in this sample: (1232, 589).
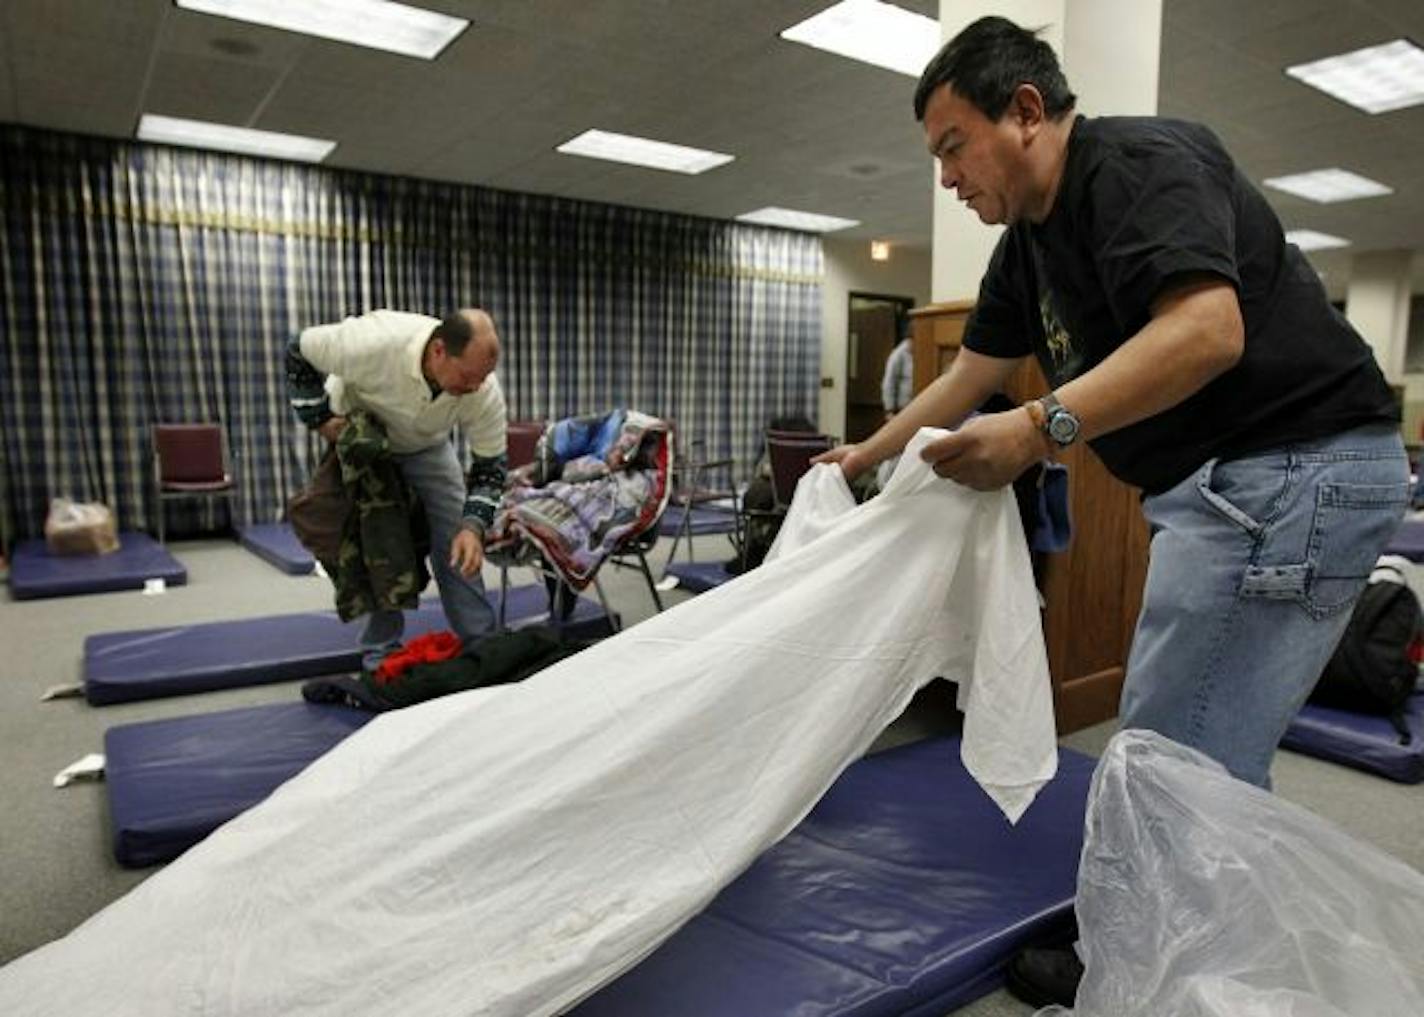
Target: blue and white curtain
(144, 284)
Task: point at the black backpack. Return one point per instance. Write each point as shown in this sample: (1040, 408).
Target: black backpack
(1374, 668)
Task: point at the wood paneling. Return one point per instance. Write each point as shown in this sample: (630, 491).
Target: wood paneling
(1093, 590)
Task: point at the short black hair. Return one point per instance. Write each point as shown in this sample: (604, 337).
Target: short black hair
(988, 60)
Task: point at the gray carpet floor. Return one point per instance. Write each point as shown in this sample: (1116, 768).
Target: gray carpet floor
(54, 847)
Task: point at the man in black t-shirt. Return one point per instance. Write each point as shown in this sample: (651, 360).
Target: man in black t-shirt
(1196, 352)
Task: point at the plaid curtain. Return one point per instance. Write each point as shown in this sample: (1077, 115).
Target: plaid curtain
(144, 284)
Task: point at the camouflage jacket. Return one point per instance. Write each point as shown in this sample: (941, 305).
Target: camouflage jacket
(378, 559)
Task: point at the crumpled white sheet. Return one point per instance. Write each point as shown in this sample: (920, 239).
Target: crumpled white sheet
(508, 851)
(1202, 896)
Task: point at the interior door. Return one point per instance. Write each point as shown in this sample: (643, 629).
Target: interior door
(874, 331)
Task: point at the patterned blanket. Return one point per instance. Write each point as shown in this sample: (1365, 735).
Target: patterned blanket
(597, 482)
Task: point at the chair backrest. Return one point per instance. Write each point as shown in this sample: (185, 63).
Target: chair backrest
(189, 453)
(790, 457)
(658, 452)
(522, 438)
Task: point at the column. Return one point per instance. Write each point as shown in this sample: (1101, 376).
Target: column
(1377, 304)
(1109, 50)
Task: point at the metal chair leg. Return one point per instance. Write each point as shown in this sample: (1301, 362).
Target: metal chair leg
(687, 528)
(648, 575)
(499, 625)
(677, 537)
(613, 621)
(556, 604)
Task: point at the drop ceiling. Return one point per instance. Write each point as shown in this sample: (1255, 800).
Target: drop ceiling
(810, 130)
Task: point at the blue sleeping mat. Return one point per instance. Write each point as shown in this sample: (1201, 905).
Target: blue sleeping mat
(705, 519)
(35, 573)
(1362, 741)
(1408, 540)
(149, 663)
(172, 782)
(276, 544)
(903, 893)
(698, 576)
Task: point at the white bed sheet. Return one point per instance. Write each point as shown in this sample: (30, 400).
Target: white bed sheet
(509, 851)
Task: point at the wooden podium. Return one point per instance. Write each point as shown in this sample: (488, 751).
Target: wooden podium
(1094, 589)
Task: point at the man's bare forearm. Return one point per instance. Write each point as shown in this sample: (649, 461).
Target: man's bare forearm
(971, 379)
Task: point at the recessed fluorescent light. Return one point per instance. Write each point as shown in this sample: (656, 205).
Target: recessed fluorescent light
(794, 220)
(1376, 79)
(1310, 240)
(200, 134)
(1328, 186)
(643, 152)
(379, 24)
(874, 32)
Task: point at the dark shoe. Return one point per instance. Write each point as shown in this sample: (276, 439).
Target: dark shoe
(1043, 976)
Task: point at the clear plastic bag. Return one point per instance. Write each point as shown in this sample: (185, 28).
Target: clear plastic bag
(1202, 896)
(74, 527)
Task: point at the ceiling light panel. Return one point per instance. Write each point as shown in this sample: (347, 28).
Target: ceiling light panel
(872, 32)
(378, 24)
(635, 151)
(1376, 79)
(791, 219)
(1328, 186)
(201, 134)
(1310, 240)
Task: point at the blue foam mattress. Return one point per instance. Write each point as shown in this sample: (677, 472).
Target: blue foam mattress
(172, 782)
(904, 892)
(35, 573)
(704, 520)
(1408, 540)
(150, 663)
(698, 576)
(276, 544)
(1362, 741)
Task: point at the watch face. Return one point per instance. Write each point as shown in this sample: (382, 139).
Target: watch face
(1063, 427)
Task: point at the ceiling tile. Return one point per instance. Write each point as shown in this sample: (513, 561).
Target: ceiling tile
(208, 88)
(808, 129)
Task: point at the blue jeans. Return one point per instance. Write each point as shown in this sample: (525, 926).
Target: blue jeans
(434, 475)
(1255, 565)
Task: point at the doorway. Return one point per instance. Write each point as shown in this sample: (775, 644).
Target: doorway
(875, 324)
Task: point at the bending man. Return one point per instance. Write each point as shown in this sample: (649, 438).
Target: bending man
(1196, 351)
(420, 377)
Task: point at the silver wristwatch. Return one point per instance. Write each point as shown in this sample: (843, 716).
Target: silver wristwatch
(1059, 423)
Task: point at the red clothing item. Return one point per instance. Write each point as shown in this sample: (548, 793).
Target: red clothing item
(430, 648)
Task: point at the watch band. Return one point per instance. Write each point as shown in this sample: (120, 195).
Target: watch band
(1060, 424)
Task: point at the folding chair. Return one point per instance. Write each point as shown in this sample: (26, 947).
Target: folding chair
(634, 546)
(788, 455)
(189, 461)
(561, 595)
(522, 438)
(692, 487)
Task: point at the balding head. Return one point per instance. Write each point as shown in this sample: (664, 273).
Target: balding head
(468, 324)
(463, 350)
